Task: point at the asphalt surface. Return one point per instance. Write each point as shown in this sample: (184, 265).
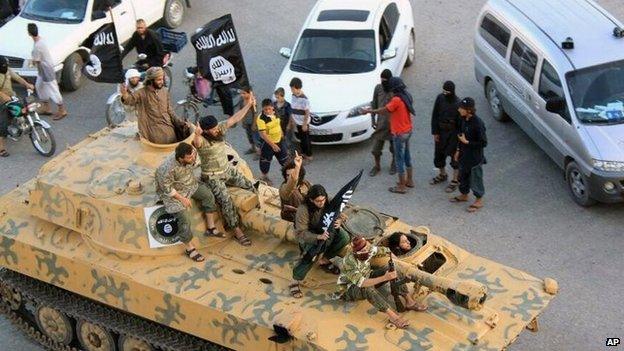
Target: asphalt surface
(529, 222)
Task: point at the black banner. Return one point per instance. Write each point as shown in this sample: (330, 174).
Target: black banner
(104, 64)
(332, 212)
(219, 56)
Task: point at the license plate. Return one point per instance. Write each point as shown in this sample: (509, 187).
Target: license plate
(320, 131)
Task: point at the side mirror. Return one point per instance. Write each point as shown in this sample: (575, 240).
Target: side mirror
(388, 54)
(556, 105)
(98, 15)
(286, 52)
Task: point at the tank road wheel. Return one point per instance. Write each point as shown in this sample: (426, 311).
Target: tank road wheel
(128, 343)
(54, 324)
(11, 297)
(92, 337)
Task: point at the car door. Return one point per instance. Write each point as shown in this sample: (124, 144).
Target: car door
(125, 22)
(391, 36)
(558, 128)
(519, 80)
(149, 10)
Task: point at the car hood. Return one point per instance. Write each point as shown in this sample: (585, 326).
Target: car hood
(609, 141)
(333, 92)
(57, 36)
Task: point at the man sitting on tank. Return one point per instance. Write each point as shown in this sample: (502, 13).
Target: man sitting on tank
(294, 188)
(217, 172)
(156, 119)
(359, 281)
(176, 185)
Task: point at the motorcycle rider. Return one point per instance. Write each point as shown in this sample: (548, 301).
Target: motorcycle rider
(133, 82)
(147, 42)
(7, 76)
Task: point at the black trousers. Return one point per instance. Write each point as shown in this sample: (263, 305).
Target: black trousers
(446, 147)
(227, 101)
(304, 139)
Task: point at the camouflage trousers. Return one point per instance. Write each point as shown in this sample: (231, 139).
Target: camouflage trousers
(333, 248)
(218, 184)
(374, 294)
(203, 195)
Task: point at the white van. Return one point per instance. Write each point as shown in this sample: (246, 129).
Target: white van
(556, 67)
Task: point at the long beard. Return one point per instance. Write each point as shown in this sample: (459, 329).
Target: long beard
(211, 138)
(362, 256)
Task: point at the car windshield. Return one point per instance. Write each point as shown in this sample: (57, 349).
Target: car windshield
(335, 51)
(598, 93)
(62, 11)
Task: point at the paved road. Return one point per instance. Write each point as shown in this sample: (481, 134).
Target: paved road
(530, 222)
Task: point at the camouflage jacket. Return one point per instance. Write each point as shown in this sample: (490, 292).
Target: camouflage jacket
(172, 178)
(355, 272)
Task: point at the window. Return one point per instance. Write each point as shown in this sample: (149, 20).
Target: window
(391, 16)
(523, 60)
(384, 36)
(495, 33)
(343, 15)
(550, 85)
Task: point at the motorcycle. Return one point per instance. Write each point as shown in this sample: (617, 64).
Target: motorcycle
(116, 111)
(24, 119)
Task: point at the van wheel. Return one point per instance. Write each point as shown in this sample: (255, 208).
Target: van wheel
(411, 50)
(494, 100)
(174, 14)
(71, 77)
(578, 185)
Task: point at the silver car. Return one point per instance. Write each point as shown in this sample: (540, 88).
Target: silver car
(556, 67)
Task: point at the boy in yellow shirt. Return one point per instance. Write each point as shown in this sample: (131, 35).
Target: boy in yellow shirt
(272, 136)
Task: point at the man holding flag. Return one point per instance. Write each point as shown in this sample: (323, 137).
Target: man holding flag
(318, 230)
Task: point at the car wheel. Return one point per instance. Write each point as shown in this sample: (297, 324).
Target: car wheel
(71, 77)
(174, 14)
(411, 50)
(494, 100)
(578, 185)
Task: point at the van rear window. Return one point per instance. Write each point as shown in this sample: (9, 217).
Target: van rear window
(495, 33)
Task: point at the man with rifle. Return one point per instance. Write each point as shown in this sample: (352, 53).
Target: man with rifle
(359, 281)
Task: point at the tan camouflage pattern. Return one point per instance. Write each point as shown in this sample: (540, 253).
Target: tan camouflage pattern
(79, 225)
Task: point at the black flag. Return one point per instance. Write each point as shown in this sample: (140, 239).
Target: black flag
(219, 56)
(332, 211)
(104, 64)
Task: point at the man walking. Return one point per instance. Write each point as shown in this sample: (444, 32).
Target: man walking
(272, 136)
(381, 123)
(445, 121)
(472, 140)
(176, 185)
(216, 170)
(46, 85)
(157, 121)
(301, 114)
(7, 76)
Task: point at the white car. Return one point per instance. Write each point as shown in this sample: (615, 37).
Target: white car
(339, 55)
(66, 26)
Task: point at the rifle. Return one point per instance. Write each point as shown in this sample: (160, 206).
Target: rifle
(394, 288)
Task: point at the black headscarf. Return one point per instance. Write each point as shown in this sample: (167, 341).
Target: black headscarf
(386, 74)
(399, 89)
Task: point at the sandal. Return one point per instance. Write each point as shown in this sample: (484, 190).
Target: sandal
(295, 290)
(243, 240)
(214, 232)
(4, 153)
(438, 179)
(457, 199)
(452, 186)
(330, 268)
(397, 190)
(374, 171)
(417, 307)
(474, 208)
(399, 322)
(194, 255)
(59, 116)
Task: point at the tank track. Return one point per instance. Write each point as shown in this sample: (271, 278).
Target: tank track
(35, 292)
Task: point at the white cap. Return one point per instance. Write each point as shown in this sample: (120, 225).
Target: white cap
(132, 73)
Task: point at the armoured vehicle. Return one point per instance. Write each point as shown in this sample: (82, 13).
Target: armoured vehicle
(89, 264)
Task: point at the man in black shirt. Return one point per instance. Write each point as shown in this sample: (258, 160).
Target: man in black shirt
(147, 42)
(445, 121)
(472, 139)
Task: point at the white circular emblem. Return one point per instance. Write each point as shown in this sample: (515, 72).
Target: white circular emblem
(167, 228)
